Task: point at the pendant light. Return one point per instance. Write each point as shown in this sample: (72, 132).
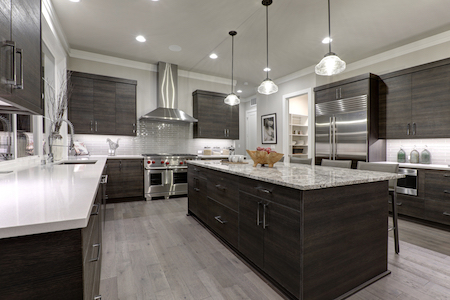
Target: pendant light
(232, 99)
(331, 64)
(267, 87)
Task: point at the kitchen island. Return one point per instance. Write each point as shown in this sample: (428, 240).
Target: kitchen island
(314, 232)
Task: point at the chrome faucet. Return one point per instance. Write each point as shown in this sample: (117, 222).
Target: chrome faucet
(50, 139)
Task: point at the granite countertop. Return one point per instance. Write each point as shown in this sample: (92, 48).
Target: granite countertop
(47, 198)
(419, 166)
(299, 176)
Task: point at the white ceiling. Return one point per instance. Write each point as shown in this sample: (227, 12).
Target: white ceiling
(359, 28)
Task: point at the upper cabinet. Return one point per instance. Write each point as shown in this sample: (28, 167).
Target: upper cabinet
(342, 91)
(102, 105)
(415, 103)
(216, 120)
(20, 55)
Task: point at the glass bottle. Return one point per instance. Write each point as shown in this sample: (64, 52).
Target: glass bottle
(414, 159)
(425, 156)
(401, 155)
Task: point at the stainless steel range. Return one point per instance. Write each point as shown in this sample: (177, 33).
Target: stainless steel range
(165, 174)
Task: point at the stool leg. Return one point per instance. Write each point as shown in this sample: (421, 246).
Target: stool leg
(395, 221)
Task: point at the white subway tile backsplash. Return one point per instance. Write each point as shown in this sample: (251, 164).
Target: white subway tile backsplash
(439, 149)
(152, 137)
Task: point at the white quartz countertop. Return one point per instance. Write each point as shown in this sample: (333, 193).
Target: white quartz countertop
(419, 166)
(299, 176)
(48, 198)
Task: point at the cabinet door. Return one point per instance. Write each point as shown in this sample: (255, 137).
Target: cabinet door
(431, 102)
(81, 105)
(233, 122)
(353, 89)
(125, 109)
(282, 246)
(251, 233)
(114, 185)
(26, 33)
(104, 107)
(437, 185)
(5, 52)
(132, 175)
(395, 107)
(210, 117)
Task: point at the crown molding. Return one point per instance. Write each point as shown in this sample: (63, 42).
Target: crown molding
(51, 18)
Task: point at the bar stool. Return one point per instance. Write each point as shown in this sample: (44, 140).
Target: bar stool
(299, 160)
(347, 164)
(390, 168)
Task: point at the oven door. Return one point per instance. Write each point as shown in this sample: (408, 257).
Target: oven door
(407, 185)
(157, 182)
(179, 181)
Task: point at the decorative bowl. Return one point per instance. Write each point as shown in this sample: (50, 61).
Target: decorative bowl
(264, 158)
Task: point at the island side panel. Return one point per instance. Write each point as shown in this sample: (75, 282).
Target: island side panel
(344, 238)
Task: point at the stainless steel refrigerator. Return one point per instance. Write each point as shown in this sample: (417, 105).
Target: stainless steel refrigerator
(342, 129)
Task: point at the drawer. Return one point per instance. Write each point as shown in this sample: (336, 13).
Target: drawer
(196, 171)
(197, 202)
(409, 206)
(276, 193)
(223, 221)
(437, 211)
(437, 185)
(223, 188)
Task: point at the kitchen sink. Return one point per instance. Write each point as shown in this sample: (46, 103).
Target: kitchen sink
(78, 162)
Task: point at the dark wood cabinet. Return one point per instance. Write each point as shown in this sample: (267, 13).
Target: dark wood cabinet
(342, 91)
(20, 24)
(102, 105)
(216, 120)
(197, 192)
(415, 102)
(125, 179)
(55, 265)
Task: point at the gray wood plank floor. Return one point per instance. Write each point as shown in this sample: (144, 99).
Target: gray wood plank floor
(152, 250)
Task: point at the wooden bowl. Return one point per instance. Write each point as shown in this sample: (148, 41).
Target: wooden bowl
(264, 158)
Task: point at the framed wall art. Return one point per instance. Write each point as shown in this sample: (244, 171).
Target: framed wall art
(269, 129)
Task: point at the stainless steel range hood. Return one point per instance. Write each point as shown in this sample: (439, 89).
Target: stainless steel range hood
(167, 99)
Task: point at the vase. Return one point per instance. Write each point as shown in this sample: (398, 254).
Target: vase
(57, 146)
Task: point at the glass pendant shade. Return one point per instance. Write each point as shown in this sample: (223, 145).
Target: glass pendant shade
(331, 64)
(232, 99)
(267, 87)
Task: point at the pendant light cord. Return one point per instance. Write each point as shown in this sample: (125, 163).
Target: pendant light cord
(329, 28)
(267, 38)
(232, 60)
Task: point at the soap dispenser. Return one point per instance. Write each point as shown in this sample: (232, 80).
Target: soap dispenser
(401, 155)
(414, 156)
(425, 156)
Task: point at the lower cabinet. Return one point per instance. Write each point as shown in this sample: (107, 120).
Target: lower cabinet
(197, 195)
(125, 178)
(55, 265)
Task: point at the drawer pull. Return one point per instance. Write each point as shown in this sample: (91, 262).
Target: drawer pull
(258, 221)
(94, 213)
(99, 297)
(197, 189)
(263, 190)
(99, 248)
(398, 203)
(446, 192)
(218, 219)
(264, 216)
(446, 175)
(446, 213)
(220, 187)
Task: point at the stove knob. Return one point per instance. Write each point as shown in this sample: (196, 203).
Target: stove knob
(153, 161)
(181, 162)
(167, 162)
(148, 162)
(162, 162)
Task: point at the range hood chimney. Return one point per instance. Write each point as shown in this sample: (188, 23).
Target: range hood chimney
(167, 99)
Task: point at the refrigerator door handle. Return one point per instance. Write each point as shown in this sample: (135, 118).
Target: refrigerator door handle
(334, 138)
(330, 137)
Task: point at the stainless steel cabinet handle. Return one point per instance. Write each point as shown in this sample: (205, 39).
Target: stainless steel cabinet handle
(97, 206)
(220, 187)
(99, 297)
(446, 175)
(99, 248)
(134, 128)
(258, 221)
(197, 189)
(11, 44)
(20, 85)
(96, 126)
(218, 219)
(340, 93)
(446, 192)
(225, 132)
(414, 129)
(92, 125)
(263, 190)
(264, 216)
(407, 129)
(104, 179)
(446, 214)
(337, 95)
(120, 165)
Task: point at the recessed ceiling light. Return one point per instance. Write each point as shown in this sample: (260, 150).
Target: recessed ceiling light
(239, 91)
(213, 56)
(155, 0)
(74, 0)
(175, 48)
(327, 40)
(266, 69)
(140, 38)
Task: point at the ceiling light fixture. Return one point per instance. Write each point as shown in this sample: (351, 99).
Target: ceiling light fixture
(232, 99)
(140, 38)
(74, 0)
(239, 91)
(331, 64)
(267, 87)
(213, 56)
